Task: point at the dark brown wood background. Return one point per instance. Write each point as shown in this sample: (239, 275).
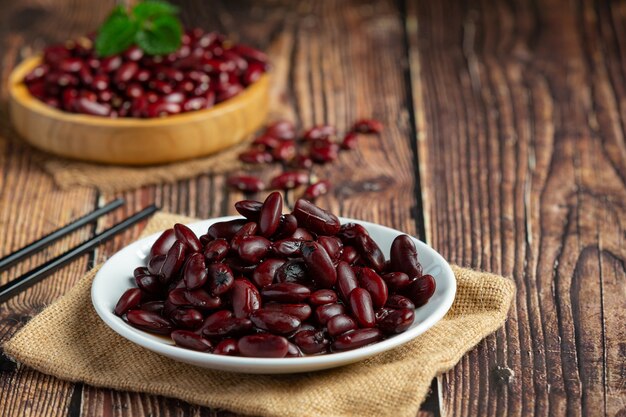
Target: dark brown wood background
(504, 149)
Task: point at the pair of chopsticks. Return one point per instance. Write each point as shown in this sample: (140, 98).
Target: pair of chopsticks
(30, 278)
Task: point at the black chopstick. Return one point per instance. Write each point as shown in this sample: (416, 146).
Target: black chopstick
(26, 280)
(33, 247)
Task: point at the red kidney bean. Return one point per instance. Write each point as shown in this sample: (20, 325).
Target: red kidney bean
(421, 289)
(188, 318)
(312, 342)
(228, 327)
(191, 340)
(149, 321)
(240, 267)
(189, 238)
(256, 156)
(367, 126)
(253, 248)
(214, 318)
(153, 306)
(332, 245)
(340, 324)
(349, 255)
(375, 285)
(349, 232)
(356, 339)
(201, 299)
(315, 219)
(174, 261)
(216, 250)
(316, 190)
(398, 302)
(220, 278)
(281, 129)
(370, 252)
(126, 72)
(155, 264)
(319, 132)
(149, 283)
(286, 226)
(248, 229)
(301, 234)
(245, 298)
(286, 292)
(381, 313)
(362, 308)
(397, 321)
(196, 103)
(301, 311)
(404, 257)
(195, 273)
(346, 280)
(396, 280)
(319, 264)
(264, 274)
(287, 247)
(129, 300)
(263, 346)
(84, 105)
(266, 142)
(285, 151)
(274, 321)
(293, 351)
(227, 347)
(245, 183)
(349, 141)
(271, 211)
(294, 271)
(321, 297)
(289, 180)
(111, 63)
(250, 209)
(323, 151)
(140, 270)
(325, 312)
(225, 230)
(252, 73)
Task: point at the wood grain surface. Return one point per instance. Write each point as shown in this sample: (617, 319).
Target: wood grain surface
(503, 148)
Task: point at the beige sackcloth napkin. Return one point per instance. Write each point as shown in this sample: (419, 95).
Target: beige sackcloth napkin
(68, 340)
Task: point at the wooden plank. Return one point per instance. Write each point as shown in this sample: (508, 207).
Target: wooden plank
(519, 119)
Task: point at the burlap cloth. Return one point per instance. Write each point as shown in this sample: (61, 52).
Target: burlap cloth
(68, 340)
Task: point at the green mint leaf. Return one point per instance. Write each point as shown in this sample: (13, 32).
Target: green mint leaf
(161, 36)
(116, 34)
(151, 9)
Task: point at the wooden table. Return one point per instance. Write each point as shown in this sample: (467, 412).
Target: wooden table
(503, 149)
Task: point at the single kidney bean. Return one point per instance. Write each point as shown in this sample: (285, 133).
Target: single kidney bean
(149, 321)
(301, 311)
(155, 306)
(263, 346)
(404, 257)
(319, 264)
(340, 324)
(195, 272)
(356, 339)
(189, 318)
(396, 280)
(319, 132)
(177, 297)
(189, 238)
(349, 141)
(289, 180)
(362, 307)
(214, 318)
(349, 232)
(367, 126)
(346, 280)
(398, 302)
(239, 266)
(324, 151)
(140, 270)
(301, 234)
(286, 227)
(281, 129)
(421, 289)
(220, 279)
(286, 292)
(375, 285)
(253, 248)
(162, 244)
(294, 271)
(333, 246)
(216, 250)
(248, 229)
(293, 351)
(349, 255)
(245, 298)
(201, 299)
(174, 261)
(150, 284)
(274, 321)
(285, 151)
(155, 264)
(191, 340)
(397, 321)
(245, 183)
(225, 230)
(129, 300)
(227, 347)
(370, 252)
(250, 209)
(312, 342)
(325, 312)
(228, 327)
(316, 190)
(264, 274)
(287, 247)
(321, 297)
(86, 106)
(315, 219)
(271, 211)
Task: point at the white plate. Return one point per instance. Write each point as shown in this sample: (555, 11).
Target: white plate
(115, 277)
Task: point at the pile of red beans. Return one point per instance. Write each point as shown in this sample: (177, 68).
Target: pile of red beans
(297, 153)
(205, 70)
(276, 285)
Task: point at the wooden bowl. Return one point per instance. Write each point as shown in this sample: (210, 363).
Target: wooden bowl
(132, 141)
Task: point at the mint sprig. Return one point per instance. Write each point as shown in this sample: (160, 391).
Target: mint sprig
(151, 24)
